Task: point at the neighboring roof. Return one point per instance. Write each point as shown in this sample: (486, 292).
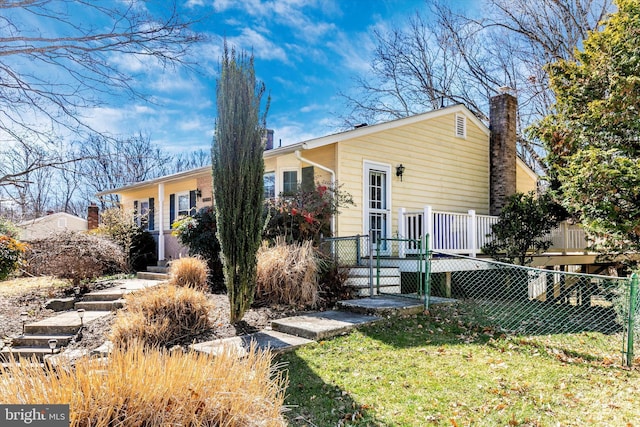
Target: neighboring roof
(320, 142)
(48, 217)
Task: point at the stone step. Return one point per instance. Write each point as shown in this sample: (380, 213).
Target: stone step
(31, 353)
(158, 269)
(275, 341)
(105, 295)
(40, 340)
(64, 323)
(101, 305)
(322, 325)
(365, 272)
(151, 276)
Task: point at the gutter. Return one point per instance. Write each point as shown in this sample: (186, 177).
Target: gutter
(333, 181)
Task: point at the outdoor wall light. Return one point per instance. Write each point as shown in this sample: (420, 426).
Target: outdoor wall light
(23, 318)
(198, 193)
(81, 315)
(400, 171)
(53, 344)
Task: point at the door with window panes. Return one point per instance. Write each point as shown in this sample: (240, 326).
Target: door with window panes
(377, 217)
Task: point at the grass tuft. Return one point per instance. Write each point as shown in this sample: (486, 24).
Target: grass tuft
(161, 316)
(139, 386)
(288, 274)
(189, 271)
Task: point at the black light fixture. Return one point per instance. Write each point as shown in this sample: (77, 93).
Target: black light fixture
(198, 193)
(53, 343)
(81, 316)
(400, 171)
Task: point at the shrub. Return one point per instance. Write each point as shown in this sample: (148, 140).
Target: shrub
(75, 256)
(149, 387)
(189, 271)
(304, 215)
(161, 316)
(8, 228)
(198, 233)
(288, 274)
(137, 244)
(11, 255)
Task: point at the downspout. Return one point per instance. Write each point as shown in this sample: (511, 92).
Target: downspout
(333, 182)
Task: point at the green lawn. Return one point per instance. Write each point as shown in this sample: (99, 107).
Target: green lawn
(436, 370)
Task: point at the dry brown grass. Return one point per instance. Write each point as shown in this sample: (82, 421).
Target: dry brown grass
(161, 316)
(288, 274)
(20, 285)
(189, 271)
(149, 387)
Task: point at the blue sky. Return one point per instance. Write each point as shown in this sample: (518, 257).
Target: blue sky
(306, 52)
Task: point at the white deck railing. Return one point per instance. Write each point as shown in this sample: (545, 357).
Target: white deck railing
(467, 233)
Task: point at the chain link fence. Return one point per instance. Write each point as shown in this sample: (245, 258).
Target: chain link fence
(513, 299)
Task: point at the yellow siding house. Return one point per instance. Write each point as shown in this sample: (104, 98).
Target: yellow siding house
(439, 159)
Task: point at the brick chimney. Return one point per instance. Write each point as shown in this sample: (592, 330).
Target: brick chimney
(502, 146)
(92, 217)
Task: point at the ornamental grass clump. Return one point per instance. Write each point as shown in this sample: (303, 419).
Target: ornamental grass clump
(142, 386)
(189, 271)
(288, 274)
(161, 316)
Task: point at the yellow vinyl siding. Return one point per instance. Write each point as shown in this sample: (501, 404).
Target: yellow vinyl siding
(442, 170)
(525, 179)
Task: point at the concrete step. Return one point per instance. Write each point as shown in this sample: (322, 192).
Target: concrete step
(383, 306)
(40, 340)
(105, 295)
(64, 323)
(275, 341)
(158, 269)
(322, 325)
(382, 290)
(383, 272)
(101, 305)
(363, 282)
(31, 353)
(146, 275)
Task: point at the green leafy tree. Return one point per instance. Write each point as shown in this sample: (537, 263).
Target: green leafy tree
(238, 170)
(593, 137)
(522, 228)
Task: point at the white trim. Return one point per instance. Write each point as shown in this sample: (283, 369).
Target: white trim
(367, 166)
(280, 177)
(177, 202)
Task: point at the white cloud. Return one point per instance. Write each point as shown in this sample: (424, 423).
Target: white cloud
(263, 48)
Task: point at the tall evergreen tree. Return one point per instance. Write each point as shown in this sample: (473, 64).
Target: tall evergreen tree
(238, 169)
(593, 136)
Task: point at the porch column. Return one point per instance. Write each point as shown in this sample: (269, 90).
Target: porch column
(472, 233)
(161, 256)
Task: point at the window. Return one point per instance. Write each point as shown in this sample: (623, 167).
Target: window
(141, 208)
(289, 181)
(461, 126)
(182, 204)
(269, 185)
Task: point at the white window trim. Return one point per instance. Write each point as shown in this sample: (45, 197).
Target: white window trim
(138, 213)
(459, 117)
(177, 202)
(386, 168)
(275, 181)
(280, 177)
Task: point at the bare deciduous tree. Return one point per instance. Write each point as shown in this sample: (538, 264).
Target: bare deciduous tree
(457, 59)
(61, 57)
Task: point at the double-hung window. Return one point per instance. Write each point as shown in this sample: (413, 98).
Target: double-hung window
(269, 185)
(182, 204)
(289, 182)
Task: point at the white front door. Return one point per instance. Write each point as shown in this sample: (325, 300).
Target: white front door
(377, 218)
